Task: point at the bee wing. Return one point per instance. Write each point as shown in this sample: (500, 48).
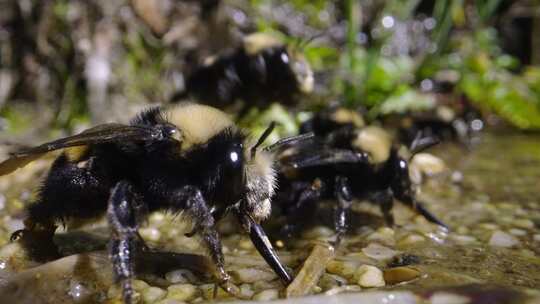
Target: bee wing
(106, 133)
(307, 159)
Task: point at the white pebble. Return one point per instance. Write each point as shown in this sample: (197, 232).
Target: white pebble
(536, 237)
(517, 232)
(180, 276)
(153, 294)
(369, 276)
(502, 239)
(463, 239)
(379, 252)
(524, 223)
(182, 292)
(384, 235)
(252, 275)
(78, 291)
(267, 295)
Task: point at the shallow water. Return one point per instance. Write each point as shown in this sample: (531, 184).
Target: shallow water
(489, 199)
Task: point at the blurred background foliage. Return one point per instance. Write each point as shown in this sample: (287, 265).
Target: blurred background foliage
(79, 62)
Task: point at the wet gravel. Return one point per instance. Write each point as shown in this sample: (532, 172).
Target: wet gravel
(489, 199)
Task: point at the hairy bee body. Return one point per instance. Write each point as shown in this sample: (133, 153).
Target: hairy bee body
(262, 70)
(345, 163)
(190, 158)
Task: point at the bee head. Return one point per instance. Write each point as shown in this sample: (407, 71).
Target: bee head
(260, 179)
(261, 175)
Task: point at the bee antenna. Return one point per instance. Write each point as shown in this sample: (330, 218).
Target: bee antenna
(421, 143)
(262, 138)
(289, 140)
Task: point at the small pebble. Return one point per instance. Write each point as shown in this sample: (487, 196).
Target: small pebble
(153, 294)
(463, 239)
(318, 232)
(379, 252)
(400, 274)
(180, 276)
(517, 232)
(488, 226)
(411, 239)
(246, 290)
(343, 268)
(246, 244)
(384, 235)
(182, 292)
(79, 292)
(208, 292)
(523, 223)
(536, 237)
(251, 275)
(140, 285)
(369, 276)
(267, 295)
(503, 239)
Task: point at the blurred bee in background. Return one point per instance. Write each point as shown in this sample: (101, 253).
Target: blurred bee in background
(345, 163)
(257, 73)
(445, 123)
(189, 158)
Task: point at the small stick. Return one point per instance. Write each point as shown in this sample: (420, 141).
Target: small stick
(311, 271)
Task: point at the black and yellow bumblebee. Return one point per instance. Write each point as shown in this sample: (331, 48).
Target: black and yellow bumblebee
(262, 70)
(345, 163)
(188, 158)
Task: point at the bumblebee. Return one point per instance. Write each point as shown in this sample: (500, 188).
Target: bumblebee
(262, 70)
(345, 164)
(444, 123)
(188, 158)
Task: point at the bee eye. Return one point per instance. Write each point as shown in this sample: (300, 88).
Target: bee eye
(234, 157)
(285, 57)
(175, 134)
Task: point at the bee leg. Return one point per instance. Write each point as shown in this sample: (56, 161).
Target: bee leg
(385, 200)
(419, 207)
(297, 211)
(343, 194)
(124, 214)
(204, 224)
(263, 245)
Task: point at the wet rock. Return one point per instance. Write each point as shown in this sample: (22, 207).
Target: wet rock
(343, 268)
(182, 292)
(153, 294)
(267, 295)
(252, 274)
(379, 252)
(383, 235)
(503, 239)
(246, 291)
(404, 260)
(180, 276)
(462, 239)
(523, 223)
(411, 239)
(369, 276)
(400, 274)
